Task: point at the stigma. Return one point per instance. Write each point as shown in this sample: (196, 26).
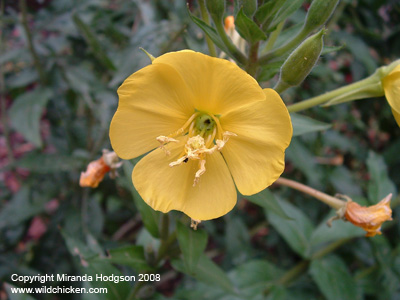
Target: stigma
(205, 137)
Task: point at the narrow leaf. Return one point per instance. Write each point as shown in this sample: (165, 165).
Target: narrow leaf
(333, 278)
(268, 201)
(211, 32)
(296, 232)
(26, 112)
(247, 28)
(303, 124)
(93, 42)
(192, 243)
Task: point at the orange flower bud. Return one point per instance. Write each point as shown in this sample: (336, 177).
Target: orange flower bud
(369, 218)
(94, 173)
(97, 169)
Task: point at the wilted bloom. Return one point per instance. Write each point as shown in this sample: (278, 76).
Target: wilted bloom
(212, 127)
(97, 169)
(391, 86)
(369, 218)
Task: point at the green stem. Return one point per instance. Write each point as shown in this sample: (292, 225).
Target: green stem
(36, 61)
(164, 230)
(285, 48)
(281, 86)
(321, 99)
(232, 49)
(206, 19)
(325, 198)
(252, 63)
(272, 38)
(302, 266)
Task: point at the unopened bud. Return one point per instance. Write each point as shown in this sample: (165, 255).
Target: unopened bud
(318, 13)
(300, 63)
(216, 8)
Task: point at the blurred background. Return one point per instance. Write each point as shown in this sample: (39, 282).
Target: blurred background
(61, 64)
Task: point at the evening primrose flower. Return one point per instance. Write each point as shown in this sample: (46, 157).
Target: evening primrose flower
(369, 218)
(391, 86)
(208, 125)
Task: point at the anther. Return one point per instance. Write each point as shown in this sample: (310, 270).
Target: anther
(163, 140)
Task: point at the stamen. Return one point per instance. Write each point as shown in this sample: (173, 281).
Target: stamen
(200, 171)
(182, 129)
(163, 140)
(194, 223)
(225, 137)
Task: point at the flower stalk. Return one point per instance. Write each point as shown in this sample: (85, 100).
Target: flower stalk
(325, 198)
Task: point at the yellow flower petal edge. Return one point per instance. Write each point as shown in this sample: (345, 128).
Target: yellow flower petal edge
(391, 86)
(256, 155)
(214, 127)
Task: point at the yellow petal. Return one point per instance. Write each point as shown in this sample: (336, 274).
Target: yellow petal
(219, 85)
(153, 101)
(255, 156)
(391, 86)
(165, 188)
(396, 116)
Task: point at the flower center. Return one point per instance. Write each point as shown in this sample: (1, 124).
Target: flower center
(205, 136)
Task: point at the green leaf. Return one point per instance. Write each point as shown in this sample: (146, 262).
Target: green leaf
(150, 217)
(237, 240)
(211, 32)
(296, 232)
(16, 296)
(380, 184)
(253, 277)
(287, 9)
(340, 229)
(303, 124)
(333, 278)
(26, 111)
(248, 29)
(268, 201)
(131, 256)
(208, 272)
(192, 244)
(268, 10)
(93, 42)
(21, 207)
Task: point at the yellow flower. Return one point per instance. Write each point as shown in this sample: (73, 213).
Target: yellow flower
(214, 127)
(391, 86)
(369, 218)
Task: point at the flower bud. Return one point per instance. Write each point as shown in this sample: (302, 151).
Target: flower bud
(301, 61)
(369, 218)
(216, 8)
(318, 13)
(249, 7)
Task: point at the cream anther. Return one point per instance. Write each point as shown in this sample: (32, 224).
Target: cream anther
(163, 140)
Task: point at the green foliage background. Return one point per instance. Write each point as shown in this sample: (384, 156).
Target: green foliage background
(57, 103)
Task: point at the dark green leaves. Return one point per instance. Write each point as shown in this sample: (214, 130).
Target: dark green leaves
(93, 42)
(333, 278)
(26, 112)
(192, 243)
(248, 29)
